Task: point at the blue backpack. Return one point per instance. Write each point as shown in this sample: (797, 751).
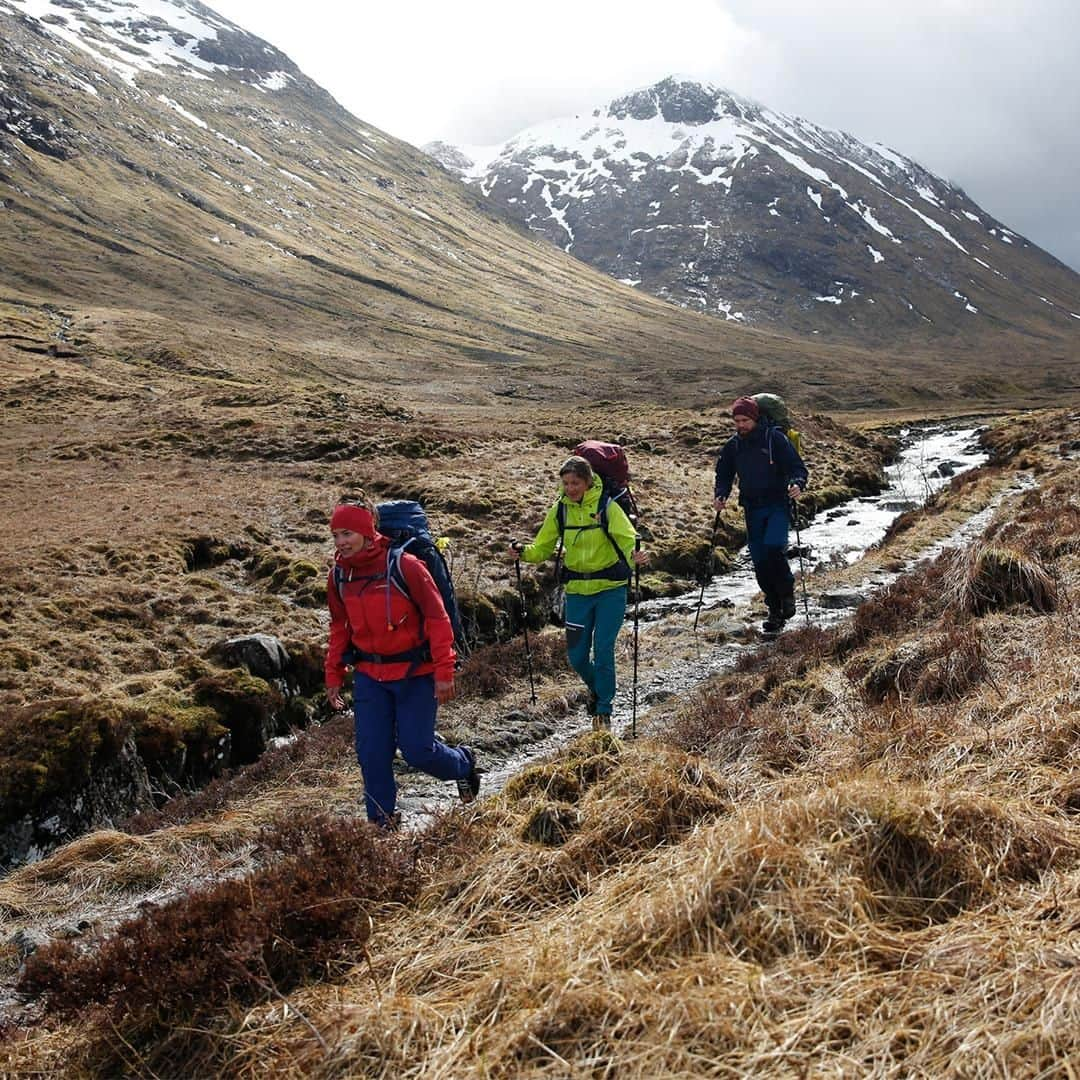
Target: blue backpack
(405, 524)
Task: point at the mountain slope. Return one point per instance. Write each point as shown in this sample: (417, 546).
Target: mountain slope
(710, 200)
(160, 163)
(172, 183)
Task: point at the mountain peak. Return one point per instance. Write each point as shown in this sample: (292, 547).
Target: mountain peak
(712, 201)
(681, 100)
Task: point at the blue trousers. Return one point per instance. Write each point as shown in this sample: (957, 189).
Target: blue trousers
(592, 625)
(392, 715)
(767, 538)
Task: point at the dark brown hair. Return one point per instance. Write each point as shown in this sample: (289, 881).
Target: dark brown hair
(578, 466)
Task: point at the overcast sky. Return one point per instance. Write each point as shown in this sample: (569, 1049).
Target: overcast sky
(985, 93)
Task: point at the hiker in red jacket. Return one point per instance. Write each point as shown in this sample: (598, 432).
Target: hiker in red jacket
(396, 635)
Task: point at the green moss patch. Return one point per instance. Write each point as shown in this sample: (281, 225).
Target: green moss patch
(179, 739)
(54, 747)
(246, 705)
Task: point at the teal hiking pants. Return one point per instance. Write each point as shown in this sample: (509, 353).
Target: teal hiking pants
(592, 625)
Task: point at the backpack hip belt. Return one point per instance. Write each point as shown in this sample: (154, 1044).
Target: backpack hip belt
(419, 654)
(617, 571)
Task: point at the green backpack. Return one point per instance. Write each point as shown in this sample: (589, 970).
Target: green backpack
(775, 409)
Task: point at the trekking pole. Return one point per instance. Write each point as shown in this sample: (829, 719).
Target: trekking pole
(708, 566)
(525, 624)
(802, 565)
(637, 605)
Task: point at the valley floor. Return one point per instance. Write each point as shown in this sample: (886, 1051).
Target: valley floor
(857, 853)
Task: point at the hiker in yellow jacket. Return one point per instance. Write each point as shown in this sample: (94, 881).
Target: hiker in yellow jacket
(599, 547)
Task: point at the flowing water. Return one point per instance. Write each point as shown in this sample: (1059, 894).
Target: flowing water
(930, 457)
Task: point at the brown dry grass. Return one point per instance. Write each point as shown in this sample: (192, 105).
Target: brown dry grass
(832, 886)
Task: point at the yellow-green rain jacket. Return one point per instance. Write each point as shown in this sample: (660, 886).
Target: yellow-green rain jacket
(586, 549)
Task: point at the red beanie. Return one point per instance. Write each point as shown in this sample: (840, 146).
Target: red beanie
(746, 406)
(356, 518)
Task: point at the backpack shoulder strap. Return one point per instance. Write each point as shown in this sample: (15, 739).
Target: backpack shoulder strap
(602, 519)
(341, 579)
(395, 574)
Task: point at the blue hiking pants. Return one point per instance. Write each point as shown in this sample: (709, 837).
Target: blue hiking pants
(392, 715)
(767, 538)
(592, 625)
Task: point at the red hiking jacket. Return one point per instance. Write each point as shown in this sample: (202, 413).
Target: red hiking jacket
(375, 617)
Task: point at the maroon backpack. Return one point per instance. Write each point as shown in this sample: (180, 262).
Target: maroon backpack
(608, 461)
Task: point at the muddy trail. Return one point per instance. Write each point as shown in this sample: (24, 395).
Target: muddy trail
(729, 620)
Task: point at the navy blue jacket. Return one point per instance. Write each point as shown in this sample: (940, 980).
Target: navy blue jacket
(765, 462)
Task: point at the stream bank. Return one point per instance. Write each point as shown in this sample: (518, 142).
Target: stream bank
(931, 457)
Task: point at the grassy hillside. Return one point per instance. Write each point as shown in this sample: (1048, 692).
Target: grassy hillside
(858, 852)
(205, 226)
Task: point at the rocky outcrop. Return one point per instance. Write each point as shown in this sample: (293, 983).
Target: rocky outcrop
(114, 790)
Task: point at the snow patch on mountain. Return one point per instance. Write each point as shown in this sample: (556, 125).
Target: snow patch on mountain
(129, 37)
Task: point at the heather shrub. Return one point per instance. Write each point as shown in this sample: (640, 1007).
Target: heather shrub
(234, 940)
(496, 669)
(913, 598)
(793, 654)
(709, 714)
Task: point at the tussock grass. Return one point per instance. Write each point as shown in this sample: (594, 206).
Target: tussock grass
(940, 666)
(990, 576)
(816, 881)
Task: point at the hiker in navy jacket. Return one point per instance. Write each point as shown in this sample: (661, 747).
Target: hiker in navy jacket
(771, 474)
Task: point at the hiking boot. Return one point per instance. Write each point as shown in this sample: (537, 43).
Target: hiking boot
(601, 722)
(787, 609)
(388, 824)
(590, 705)
(773, 624)
(468, 787)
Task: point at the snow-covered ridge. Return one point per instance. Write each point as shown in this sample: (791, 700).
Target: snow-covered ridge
(132, 36)
(711, 200)
(714, 130)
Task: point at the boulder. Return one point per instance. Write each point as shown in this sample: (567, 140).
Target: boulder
(261, 654)
(841, 598)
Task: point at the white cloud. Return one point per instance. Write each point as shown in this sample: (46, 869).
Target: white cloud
(983, 94)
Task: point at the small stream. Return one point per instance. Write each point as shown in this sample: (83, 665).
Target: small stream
(928, 460)
(930, 457)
